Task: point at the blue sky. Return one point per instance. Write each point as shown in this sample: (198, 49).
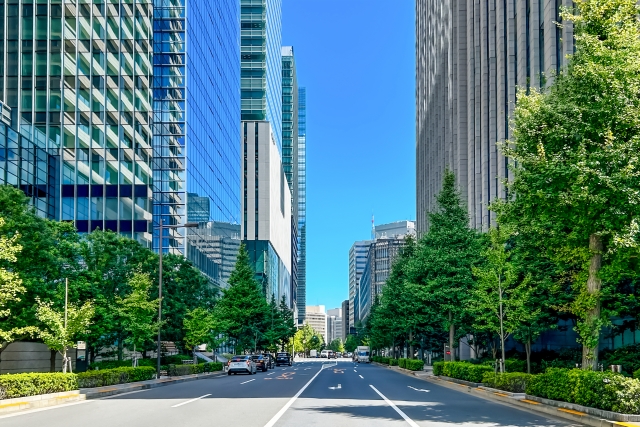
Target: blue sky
(357, 60)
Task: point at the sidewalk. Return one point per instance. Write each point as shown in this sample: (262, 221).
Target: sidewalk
(99, 392)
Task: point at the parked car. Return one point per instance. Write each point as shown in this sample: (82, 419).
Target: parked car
(349, 354)
(261, 362)
(270, 360)
(241, 364)
(331, 354)
(324, 354)
(283, 358)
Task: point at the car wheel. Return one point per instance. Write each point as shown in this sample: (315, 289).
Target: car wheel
(229, 373)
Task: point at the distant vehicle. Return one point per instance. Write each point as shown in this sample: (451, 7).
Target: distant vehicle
(331, 354)
(313, 353)
(283, 358)
(325, 354)
(363, 353)
(338, 355)
(261, 362)
(270, 360)
(241, 364)
(349, 354)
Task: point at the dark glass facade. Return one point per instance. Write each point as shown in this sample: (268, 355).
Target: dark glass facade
(197, 119)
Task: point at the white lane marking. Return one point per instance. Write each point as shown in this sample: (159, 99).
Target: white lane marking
(281, 412)
(32, 411)
(390, 403)
(122, 394)
(192, 400)
(355, 370)
(418, 389)
(361, 376)
(271, 373)
(336, 388)
(248, 381)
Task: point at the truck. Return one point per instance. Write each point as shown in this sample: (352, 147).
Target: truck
(313, 353)
(362, 353)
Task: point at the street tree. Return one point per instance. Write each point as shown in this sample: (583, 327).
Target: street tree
(302, 340)
(62, 326)
(336, 345)
(138, 313)
(575, 149)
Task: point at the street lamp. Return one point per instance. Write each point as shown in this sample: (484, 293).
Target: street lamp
(160, 228)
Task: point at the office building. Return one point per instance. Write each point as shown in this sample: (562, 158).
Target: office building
(317, 319)
(470, 57)
(219, 242)
(261, 50)
(266, 206)
(75, 85)
(345, 319)
(357, 262)
(290, 157)
(302, 204)
(395, 229)
(334, 324)
(196, 107)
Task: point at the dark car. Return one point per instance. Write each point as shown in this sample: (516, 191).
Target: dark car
(270, 360)
(283, 358)
(262, 363)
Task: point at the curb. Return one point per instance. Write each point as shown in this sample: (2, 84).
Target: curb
(99, 392)
(418, 374)
(531, 406)
(17, 404)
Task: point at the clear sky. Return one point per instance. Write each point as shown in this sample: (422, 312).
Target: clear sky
(357, 60)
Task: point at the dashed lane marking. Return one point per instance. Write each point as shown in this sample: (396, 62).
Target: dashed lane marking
(192, 400)
(361, 376)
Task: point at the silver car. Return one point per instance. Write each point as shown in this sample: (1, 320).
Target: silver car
(241, 364)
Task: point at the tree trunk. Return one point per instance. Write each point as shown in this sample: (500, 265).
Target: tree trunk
(594, 283)
(410, 343)
(452, 336)
(120, 349)
(52, 361)
(527, 347)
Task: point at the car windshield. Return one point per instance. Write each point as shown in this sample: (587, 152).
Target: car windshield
(363, 353)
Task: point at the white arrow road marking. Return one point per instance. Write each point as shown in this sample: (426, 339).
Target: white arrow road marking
(361, 376)
(418, 389)
(192, 400)
(398, 410)
(248, 381)
(336, 388)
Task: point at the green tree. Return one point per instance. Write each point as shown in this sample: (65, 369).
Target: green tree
(575, 149)
(336, 345)
(500, 291)
(441, 269)
(351, 343)
(138, 313)
(302, 340)
(61, 328)
(242, 310)
(198, 328)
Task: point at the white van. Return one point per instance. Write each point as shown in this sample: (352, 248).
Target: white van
(325, 354)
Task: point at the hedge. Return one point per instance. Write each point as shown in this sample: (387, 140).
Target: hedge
(514, 382)
(380, 359)
(112, 364)
(114, 376)
(22, 385)
(415, 364)
(402, 362)
(636, 374)
(393, 362)
(461, 370)
(602, 390)
(200, 368)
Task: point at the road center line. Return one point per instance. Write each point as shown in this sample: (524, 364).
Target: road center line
(248, 381)
(281, 412)
(192, 400)
(398, 410)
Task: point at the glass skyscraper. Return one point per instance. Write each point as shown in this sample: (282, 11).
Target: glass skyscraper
(302, 205)
(77, 77)
(196, 121)
(262, 64)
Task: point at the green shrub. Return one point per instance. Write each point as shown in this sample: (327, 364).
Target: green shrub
(464, 371)
(112, 364)
(393, 362)
(402, 362)
(514, 382)
(602, 390)
(22, 385)
(636, 374)
(438, 367)
(385, 360)
(114, 376)
(415, 364)
(200, 368)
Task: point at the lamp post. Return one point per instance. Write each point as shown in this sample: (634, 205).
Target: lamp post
(161, 227)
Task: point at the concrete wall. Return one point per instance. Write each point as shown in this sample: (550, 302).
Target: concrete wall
(21, 357)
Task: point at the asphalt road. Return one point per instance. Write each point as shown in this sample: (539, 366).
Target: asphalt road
(307, 394)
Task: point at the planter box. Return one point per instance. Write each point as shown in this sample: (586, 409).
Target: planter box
(40, 401)
(608, 415)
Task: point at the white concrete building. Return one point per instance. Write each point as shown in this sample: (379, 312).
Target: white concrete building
(317, 319)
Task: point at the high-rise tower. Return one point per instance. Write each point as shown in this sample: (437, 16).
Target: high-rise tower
(302, 204)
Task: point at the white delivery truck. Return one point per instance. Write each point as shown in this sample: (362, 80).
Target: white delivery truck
(313, 353)
(362, 353)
